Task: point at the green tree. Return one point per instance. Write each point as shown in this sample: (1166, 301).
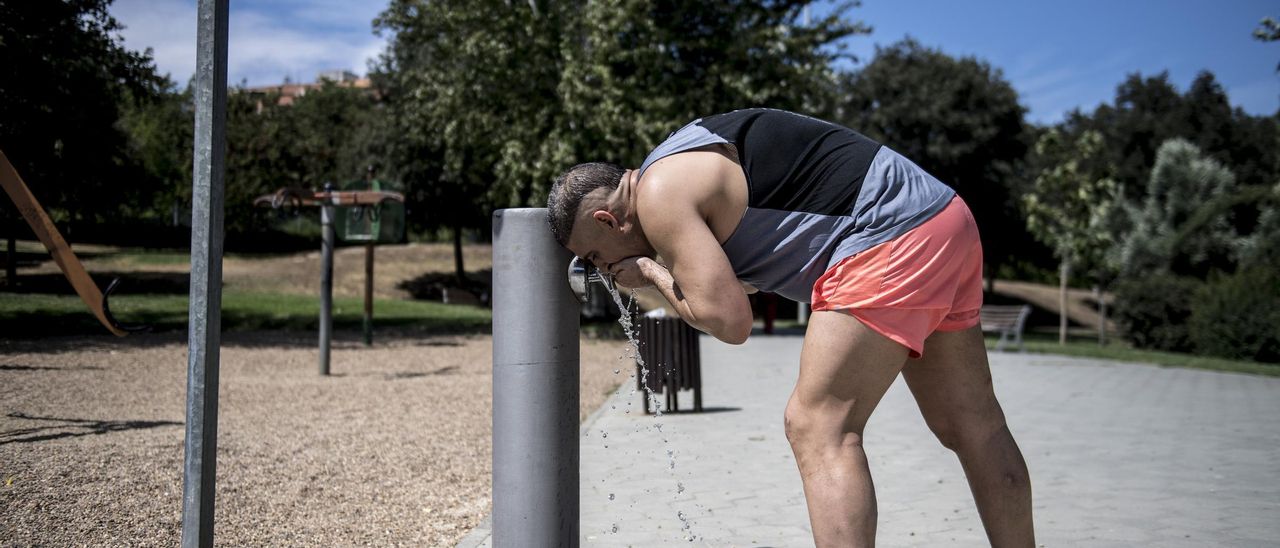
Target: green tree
(1147, 111)
(160, 142)
(491, 100)
(67, 74)
(318, 138)
(1068, 208)
(463, 81)
(960, 120)
(1268, 31)
(1261, 248)
(1182, 182)
(328, 141)
(642, 69)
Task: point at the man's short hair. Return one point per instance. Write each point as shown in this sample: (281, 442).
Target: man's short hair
(566, 194)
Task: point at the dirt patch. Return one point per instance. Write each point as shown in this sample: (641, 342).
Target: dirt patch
(392, 449)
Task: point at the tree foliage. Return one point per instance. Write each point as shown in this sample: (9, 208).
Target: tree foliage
(1238, 315)
(315, 140)
(160, 141)
(1268, 31)
(1067, 207)
(1182, 181)
(491, 100)
(1147, 111)
(959, 119)
(495, 99)
(67, 74)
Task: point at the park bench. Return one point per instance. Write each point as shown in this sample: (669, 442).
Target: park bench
(669, 348)
(1007, 320)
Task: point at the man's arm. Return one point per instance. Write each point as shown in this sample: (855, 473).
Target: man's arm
(698, 280)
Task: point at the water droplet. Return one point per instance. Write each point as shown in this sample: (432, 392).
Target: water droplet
(610, 496)
(679, 488)
(615, 528)
(616, 371)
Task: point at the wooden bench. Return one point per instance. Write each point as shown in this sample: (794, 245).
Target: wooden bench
(1008, 321)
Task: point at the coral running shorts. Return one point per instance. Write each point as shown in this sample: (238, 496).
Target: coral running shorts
(928, 279)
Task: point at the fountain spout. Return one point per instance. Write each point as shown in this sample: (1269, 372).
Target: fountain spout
(581, 274)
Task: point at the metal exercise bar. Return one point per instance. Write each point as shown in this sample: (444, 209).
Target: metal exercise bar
(205, 309)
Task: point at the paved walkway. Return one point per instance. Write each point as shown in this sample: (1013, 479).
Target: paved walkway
(1120, 455)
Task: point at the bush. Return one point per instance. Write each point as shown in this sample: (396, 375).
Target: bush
(1154, 310)
(1238, 316)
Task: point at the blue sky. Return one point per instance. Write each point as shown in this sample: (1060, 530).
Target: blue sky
(1058, 55)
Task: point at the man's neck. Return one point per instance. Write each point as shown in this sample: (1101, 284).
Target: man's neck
(623, 201)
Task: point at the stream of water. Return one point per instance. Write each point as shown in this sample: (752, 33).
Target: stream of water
(633, 352)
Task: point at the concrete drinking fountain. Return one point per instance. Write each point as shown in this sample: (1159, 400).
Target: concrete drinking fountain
(535, 380)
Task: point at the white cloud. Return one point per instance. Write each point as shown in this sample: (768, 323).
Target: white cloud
(168, 27)
(266, 45)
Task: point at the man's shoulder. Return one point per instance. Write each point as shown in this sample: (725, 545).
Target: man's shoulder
(705, 185)
(693, 172)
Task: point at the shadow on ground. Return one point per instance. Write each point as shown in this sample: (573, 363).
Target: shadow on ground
(57, 428)
(154, 283)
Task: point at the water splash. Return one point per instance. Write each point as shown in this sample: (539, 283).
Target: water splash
(632, 351)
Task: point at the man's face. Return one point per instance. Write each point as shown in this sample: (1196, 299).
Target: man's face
(596, 242)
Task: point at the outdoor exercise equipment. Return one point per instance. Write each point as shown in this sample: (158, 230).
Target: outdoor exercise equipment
(369, 216)
(204, 339)
(99, 302)
(535, 385)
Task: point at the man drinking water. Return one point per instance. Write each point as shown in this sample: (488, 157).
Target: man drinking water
(888, 256)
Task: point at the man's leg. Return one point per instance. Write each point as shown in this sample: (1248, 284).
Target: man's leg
(952, 385)
(845, 368)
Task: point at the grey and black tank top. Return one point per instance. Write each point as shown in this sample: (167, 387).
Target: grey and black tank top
(818, 193)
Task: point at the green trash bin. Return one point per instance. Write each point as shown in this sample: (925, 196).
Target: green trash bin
(381, 223)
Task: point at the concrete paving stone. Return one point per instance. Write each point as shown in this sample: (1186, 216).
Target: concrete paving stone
(1120, 455)
(774, 535)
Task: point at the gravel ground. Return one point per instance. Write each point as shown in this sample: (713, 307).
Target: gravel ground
(392, 449)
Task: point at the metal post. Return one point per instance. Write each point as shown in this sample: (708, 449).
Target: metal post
(535, 385)
(326, 282)
(802, 313)
(204, 337)
(368, 295)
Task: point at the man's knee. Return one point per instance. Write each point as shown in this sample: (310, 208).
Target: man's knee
(812, 428)
(960, 434)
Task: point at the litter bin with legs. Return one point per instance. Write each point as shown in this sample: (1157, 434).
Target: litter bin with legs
(669, 347)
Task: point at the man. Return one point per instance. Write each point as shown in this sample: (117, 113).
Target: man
(888, 256)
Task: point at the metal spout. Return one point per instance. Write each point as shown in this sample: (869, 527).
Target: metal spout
(581, 274)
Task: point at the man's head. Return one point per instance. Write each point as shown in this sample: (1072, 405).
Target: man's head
(589, 215)
(565, 201)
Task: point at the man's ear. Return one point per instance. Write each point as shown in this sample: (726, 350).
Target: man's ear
(605, 218)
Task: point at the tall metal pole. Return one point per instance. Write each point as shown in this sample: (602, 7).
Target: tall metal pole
(535, 385)
(326, 282)
(204, 337)
(368, 295)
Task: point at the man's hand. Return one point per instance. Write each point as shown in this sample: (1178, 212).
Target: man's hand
(629, 272)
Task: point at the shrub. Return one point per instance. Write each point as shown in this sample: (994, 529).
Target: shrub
(1238, 316)
(1153, 310)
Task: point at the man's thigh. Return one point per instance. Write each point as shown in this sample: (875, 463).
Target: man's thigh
(845, 368)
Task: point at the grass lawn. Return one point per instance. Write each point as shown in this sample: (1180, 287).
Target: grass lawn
(35, 315)
(1089, 348)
